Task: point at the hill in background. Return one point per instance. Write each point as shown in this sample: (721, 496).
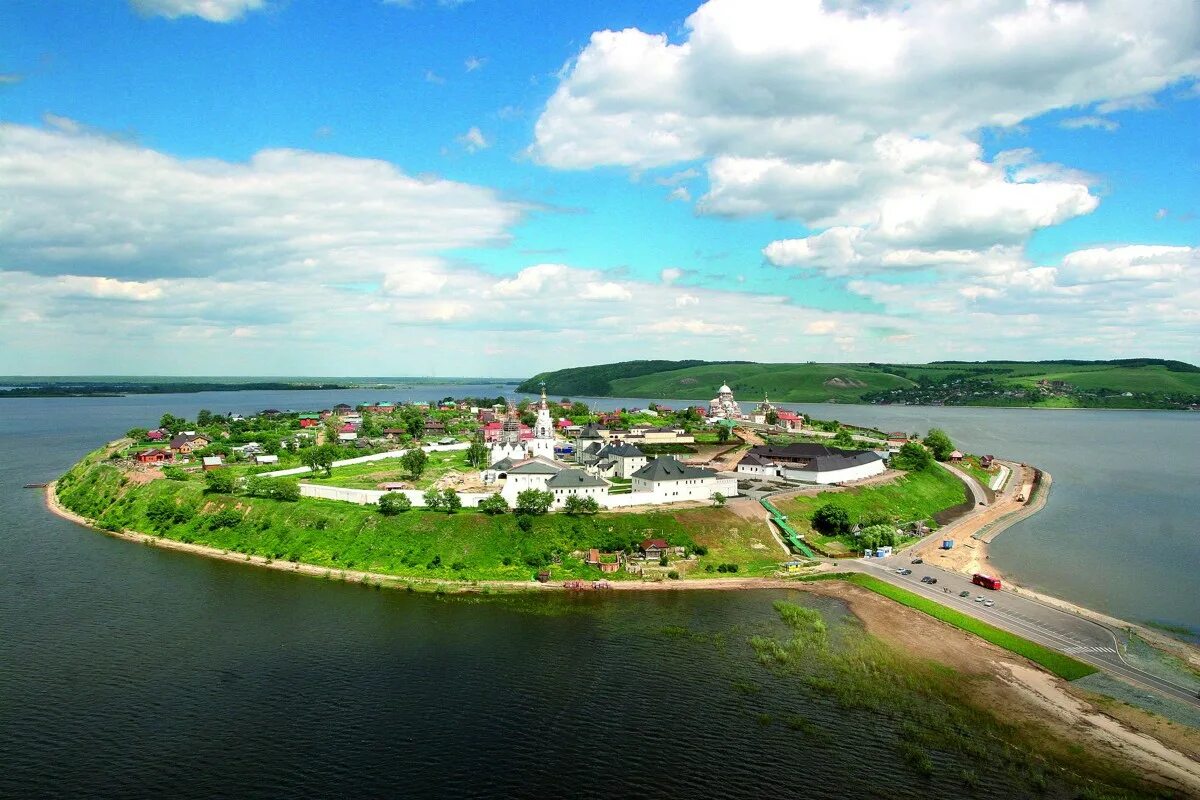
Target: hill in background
(1124, 383)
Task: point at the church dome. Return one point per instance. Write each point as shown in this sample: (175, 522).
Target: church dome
(724, 389)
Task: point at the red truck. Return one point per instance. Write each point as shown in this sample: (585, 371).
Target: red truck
(986, 581)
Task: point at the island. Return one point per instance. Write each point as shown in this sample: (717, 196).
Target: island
(488, 496)
(1119, 383)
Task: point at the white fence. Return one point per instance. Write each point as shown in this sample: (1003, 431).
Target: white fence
(345, 462)
(368, 496)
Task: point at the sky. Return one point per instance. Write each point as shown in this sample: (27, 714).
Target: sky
(498, 187)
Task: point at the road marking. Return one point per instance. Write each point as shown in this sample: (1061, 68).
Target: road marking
(1088, 649)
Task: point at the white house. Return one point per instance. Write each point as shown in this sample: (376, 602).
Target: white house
(533, 473)
(619, 459)
(666, 480)
(264, 458)
(576, 482)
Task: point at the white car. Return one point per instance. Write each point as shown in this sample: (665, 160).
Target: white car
(989, 603)
(979, 599)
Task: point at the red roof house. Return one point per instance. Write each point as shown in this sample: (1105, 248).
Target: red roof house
(155, 456)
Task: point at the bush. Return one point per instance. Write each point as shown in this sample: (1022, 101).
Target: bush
(525, 523)
(394, 503)
(575, 504)
(727, 568)
(174, 474)
(451, 502)
(718, 500)
(219, 481)
(911, 457)
(831, 520)
(662, 562)
(939, 444)
(700, 550)
(493, 504)
(225, 518)
(673, 575)
(287, 489)
(534, 501)
(433, 500)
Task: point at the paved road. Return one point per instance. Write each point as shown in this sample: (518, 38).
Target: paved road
(1060, 630)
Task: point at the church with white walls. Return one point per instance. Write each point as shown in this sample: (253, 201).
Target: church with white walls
(510, 446)
(723, 406)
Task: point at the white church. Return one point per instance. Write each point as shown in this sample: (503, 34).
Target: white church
(723, 406)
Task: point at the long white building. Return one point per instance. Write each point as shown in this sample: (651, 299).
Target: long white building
(810, 463)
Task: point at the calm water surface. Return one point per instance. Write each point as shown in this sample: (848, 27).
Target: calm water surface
(129, 671)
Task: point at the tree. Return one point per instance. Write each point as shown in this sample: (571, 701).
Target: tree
(137, 434)
(394, 503)
(534, 501)
(414, 422)
(451, 502)
(493, 504)
(204, 418)
(718, 500)
(219, 481)
(477, 454)
(577, 504)
(939, 444)
(831, 520)
(911, 457)
(528, 418)
(844, 438)
(772, 417)
(172, 423)
(433, 499)
(319, 458)
(414, 462)
(723, 432)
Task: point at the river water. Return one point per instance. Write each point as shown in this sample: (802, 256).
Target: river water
(132, 671)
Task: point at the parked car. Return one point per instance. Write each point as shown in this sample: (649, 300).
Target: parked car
(906, 572)
(964, 593)
(918, 561)
(932, 581)
(989, 603)
(979, 599)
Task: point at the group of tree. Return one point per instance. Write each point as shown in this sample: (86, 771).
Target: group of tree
(394, 503)
(320, 458)
(447, 500)
(534, 502)
(911, 457)
(831, 520)
(939, 444)
(577, 505)
(880, 535)
(286, 489)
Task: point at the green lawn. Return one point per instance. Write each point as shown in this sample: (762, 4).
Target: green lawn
(368, 475)
(915, 496)
(1061, 665)
(798, 383)
(464, 546)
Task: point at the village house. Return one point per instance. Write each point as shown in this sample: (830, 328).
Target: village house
(660, 435)
(310, 420)
(157, 435)
(155, 456)
(435, 428)
(189, 442)
(810, 463)
(342, 409)
(212, 462)
(789, 420)
(654, 549)
(896, 440)
(266, 458)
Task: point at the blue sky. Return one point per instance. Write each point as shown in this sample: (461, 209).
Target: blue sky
(718, 177)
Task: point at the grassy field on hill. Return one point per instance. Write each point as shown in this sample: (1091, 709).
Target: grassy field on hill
(916, 496)
(1128, 383)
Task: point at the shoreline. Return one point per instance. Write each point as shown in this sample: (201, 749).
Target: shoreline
(1155, 638)
(360, 576)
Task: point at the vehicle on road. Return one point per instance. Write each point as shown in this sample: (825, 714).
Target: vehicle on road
(918, 561)
(986, 581)
(964, 593)
(989, 603)
(906, 572)
(979, 599)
